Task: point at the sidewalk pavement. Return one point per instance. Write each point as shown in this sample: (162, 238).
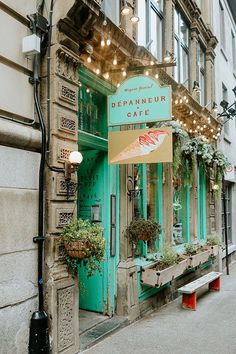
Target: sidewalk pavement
(211, 329)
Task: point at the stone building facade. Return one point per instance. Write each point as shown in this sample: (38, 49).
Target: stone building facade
(77, 74)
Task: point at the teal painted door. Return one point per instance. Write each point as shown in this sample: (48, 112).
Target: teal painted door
(94, 191)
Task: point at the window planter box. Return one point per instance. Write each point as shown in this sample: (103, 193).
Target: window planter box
(156, 278)
(213, 250)
(199, 258)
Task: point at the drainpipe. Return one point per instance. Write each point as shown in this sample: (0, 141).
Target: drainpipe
(39, 337)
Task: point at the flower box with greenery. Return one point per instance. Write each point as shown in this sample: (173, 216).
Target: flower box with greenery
(196, 255)
(213, 244)
(143, 230)
(83, 240)
(167, 267)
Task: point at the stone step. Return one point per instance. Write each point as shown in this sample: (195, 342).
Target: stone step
(101, 331)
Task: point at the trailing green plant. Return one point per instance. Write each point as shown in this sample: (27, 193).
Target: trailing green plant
(190, 249)
(168, 258)
(91, 237)
(213, 240)
(143, 229)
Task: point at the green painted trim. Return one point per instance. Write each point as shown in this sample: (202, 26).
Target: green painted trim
(91, 80)
(143, 245)
(187, 214)
(159, 203)
(201, 204)
(92, 141)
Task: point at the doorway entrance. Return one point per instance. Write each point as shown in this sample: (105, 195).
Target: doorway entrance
(97, 292)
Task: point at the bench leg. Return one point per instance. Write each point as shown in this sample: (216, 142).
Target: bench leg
(215, 285)
(189, 301)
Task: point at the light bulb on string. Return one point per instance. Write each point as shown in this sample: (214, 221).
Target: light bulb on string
(147, 73)
(97, 71)
(106, 75)
(114, 62)
(156, 76)
(102, 42)
(89, 59)
(108, 40)
(124, 73)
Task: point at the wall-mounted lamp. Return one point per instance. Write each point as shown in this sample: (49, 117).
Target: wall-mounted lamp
(229, 111)
(75, 159)
(133, 190)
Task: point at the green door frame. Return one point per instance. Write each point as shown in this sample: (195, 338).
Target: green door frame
(111, 187)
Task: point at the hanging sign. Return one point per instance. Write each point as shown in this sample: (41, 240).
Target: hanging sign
(140, 146)
(139, 99)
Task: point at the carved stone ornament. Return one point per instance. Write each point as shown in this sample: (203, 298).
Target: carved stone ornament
(67, 65)
(65, 300)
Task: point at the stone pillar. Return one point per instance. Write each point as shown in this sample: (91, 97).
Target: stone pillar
(210, 72)
(169, 30)
(193, 51)
(127, 288)
(61, 288)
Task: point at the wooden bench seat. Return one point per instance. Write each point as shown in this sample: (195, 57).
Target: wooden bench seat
(189, 291)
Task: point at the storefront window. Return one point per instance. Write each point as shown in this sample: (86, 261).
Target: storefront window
(181, 211)
(92, 112)
(148, 196)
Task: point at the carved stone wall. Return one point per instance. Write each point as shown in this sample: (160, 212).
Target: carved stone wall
(62, 289)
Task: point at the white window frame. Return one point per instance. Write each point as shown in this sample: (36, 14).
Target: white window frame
(181, 73)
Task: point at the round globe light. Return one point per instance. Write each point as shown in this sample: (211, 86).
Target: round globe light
(75, 158)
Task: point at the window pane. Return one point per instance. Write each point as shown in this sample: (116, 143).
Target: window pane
(180, 222)
(151, 190)
(184, 66)
(92, 112)
(176, 21)
(142, 24)
(176, 68)
(183, 31)
(156, 34)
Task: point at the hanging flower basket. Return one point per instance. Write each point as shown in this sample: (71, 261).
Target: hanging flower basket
(77, 249)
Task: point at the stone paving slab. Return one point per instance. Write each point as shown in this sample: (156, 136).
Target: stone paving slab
(173, 330)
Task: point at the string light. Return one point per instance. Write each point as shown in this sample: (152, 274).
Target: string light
(147, 73)
(176, 101)
(124, 73)
(102, 42)
(194, 121)
(114, 60)
(97, 71)
(151, 62)
(191, 112)
(106, 75)
(87, 90)
(108, 40)
(89, 59)
(187, 100)
(118, 85)
(156, 76)
(181, 101)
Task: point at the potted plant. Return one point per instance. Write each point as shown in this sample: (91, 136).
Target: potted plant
(213, 243)
(168, 266)
(83, 240)
(143, 229)
(196, 255)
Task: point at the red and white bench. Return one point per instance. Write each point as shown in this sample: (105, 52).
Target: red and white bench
(189, 291)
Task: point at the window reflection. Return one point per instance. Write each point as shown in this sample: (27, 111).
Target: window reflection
(179, 208)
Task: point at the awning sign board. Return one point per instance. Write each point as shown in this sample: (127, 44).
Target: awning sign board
(139, 99)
